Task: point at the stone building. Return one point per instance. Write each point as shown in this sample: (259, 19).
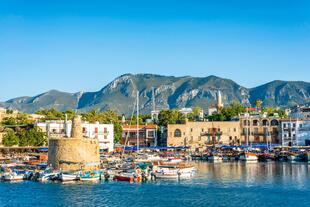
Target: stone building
(147, 135)
(259, 128)
(200, 134)
(74, 153)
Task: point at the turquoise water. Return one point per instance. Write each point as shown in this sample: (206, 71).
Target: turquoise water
(223, 184)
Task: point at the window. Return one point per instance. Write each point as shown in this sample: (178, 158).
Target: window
(177, 133)
(255, 123)
(265, 122)
(191, 129)
(105, 130)
(84, 130)
(284, 125)
(300, 125)
(274, 122)
(151, 134)
(235, 129)
(96, 130)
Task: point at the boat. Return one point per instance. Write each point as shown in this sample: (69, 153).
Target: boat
(293, 157)
(90, 176)
(68, 176)
(12, 176)
(266, 157)
(248, 157)
(174, 171)
(127, 177)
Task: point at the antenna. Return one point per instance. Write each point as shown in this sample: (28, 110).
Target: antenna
(137, 120)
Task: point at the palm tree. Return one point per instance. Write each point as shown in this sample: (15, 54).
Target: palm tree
(258, 104)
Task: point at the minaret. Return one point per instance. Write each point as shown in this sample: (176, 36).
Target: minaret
(220, 104)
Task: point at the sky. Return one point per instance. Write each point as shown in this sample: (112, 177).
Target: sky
(83, 45)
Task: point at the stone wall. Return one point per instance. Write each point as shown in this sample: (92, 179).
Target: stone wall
(74, 154)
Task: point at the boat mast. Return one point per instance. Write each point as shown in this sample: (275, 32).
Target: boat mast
(296, 131)
(137, 120)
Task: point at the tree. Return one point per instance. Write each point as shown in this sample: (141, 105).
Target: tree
(258, 104)
(227, 113)
(20, 119)
(173, 116)
(51, 114)
(195, 115)
(10, 139)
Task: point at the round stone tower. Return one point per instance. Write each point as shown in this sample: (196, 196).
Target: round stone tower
(75, 153)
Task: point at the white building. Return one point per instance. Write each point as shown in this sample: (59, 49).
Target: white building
(295, 132)
(103, 132)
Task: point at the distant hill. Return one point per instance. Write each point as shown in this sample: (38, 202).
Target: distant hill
(170, 92)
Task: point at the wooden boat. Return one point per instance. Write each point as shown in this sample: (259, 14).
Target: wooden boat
(68, 176)
(248, 157)
(174, 172)
(127, 177)
(293, 157)
(13, 176)
(90, 176)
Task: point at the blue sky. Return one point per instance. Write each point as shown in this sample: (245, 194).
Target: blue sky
(83, 45)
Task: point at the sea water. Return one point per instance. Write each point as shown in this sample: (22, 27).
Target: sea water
(215, 184)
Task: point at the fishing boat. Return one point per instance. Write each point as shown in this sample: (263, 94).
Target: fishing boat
(13, 176)
(68, 176)
(174, 171)
(266, 157)
(90, 176)
(248, 157)
(166, 173)
(294, 157)
(127, 177)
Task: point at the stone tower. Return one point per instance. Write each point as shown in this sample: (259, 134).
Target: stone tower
(77, 129)
(220, 104)
(75, 153)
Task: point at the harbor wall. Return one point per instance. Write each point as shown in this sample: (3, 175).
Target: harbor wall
(74, 154)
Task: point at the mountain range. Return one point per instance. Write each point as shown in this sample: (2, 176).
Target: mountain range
(169, 92)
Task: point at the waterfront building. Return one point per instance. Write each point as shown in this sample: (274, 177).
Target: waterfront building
(298, 112)
(103, 132)
(147, 135)
(295, 132)
(259, 128)
(198, 135)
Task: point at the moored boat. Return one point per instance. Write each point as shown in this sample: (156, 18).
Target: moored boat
(68, 176)
(248, 157)
(90, 176)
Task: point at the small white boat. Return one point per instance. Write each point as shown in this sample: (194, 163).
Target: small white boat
(174, 172)
(248, 157)
(65, 177)
(13, 176)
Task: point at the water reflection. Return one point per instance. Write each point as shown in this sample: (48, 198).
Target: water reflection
(270, 173)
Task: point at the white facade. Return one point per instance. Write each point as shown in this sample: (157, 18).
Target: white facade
(295, 132)
(103, 132)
